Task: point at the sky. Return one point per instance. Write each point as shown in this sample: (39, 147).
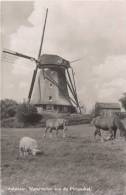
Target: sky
(93, 31)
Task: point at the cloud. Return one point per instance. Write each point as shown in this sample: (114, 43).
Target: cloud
(93, 31)
(113, 67)
(23, 67)
(110, 78)
(23, 85)
(69, 34)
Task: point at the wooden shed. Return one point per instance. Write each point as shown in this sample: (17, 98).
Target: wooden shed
(107, 108)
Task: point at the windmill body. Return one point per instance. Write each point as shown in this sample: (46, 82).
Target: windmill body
(50, 91)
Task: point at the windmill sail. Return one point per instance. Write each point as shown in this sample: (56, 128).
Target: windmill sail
(32, 84)
(19, 55)
(41, 44)
(39, 54)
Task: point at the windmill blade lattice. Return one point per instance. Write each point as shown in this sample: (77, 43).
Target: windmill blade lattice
(37, 62)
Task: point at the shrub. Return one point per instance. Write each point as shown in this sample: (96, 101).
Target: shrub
(27, 113)
(8, 108)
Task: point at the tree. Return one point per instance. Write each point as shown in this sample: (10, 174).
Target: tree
(123, 101)
(8, 108)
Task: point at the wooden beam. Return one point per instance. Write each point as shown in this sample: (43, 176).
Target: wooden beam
(32, 83)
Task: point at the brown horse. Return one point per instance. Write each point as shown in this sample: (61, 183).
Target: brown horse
(109, 123)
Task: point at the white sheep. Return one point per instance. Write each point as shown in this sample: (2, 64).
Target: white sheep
(28, 146)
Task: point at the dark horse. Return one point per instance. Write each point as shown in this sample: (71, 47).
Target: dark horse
(109, 123)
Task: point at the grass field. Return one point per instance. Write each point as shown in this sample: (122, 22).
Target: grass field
(76, 161)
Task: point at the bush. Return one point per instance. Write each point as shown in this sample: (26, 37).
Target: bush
(8, 108)
(28, 114)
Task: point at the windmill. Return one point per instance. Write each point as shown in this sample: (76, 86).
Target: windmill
(52, 86)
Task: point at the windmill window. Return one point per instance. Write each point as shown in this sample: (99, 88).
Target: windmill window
(55, 107)
(44, 107)
(50, 98)
(49, 107)
(51, 85)
(52, 72)
(46, 69)
(65, 109)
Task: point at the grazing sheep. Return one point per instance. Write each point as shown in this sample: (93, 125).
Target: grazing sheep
(28, 146)
(55, 124)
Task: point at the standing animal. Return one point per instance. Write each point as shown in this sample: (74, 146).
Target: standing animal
(28, 146)
(109, 123)
(55, 124)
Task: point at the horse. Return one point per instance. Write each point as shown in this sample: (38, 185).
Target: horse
(109, 123)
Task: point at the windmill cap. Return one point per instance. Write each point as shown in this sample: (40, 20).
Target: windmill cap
(51, 60)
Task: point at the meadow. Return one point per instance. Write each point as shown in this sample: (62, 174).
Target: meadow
(76, 161)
